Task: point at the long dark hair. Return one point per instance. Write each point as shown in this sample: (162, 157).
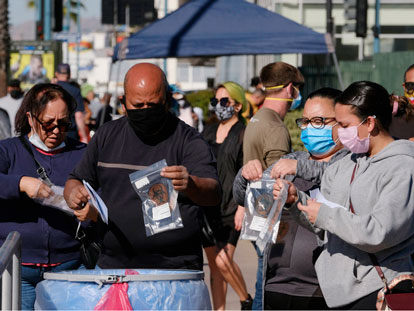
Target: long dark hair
(368, 99)
(35, 102)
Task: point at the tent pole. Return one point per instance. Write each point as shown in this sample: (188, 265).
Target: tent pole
(116, 85)
(109, 78)
(338, 70)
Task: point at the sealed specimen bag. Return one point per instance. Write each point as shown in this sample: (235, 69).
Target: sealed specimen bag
(258, 203)
(269, 231)
(159, 199)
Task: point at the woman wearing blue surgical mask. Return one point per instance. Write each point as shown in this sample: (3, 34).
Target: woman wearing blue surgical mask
(365, 211)
(289, 275)
(319, 129)
(32, 205)
(226, 140)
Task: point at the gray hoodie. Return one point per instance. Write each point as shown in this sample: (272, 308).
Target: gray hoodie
(383, 224)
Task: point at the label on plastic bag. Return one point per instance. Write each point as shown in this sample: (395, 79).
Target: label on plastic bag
(161, 212)
(256, 185)
(141, 182)
(257, 223)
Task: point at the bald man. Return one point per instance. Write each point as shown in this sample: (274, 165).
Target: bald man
(148, 134)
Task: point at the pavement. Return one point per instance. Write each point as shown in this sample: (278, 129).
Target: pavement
(245, 256)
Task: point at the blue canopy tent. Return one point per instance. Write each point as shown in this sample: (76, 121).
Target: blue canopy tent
(220, 28)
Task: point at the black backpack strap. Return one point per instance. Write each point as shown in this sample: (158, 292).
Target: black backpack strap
(39, 168)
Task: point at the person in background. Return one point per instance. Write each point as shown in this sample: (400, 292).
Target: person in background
(256, 84)
(48, 234)
(358, 228)
(226, 140)
(254, 98)
(11, 102)
(94, 103)
(289, 274)
(78, 130)
(267, 138)
(198, 117)
(402, 124)
(104, 114)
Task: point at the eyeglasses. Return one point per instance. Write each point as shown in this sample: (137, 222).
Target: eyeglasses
(224, 101)
(409, 85)
(50, 126)
(316, 122)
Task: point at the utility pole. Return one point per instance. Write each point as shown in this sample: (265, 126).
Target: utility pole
(377, 27)
(47, 27)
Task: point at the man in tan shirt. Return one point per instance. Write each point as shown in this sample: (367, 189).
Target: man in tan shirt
(266, 137)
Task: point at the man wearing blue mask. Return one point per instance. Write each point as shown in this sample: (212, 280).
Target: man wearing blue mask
(267, 138)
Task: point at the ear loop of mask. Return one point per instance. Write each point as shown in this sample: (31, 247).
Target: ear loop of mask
(277, 98)
(31, 117)
(369, 134)
(337, 139)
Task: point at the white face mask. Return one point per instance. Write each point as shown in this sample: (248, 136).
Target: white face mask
(37, 142)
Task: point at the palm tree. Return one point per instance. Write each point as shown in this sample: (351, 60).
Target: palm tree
(4, 46)
(31, 4)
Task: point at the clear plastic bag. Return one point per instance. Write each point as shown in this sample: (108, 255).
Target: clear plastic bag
(159, 199)
(56, 200)
(258, 203)
(269, 232)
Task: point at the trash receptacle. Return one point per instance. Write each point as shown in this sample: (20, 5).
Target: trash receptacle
(149, 289)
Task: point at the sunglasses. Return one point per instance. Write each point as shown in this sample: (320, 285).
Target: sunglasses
(409, 85)
(50, 126)
(224, 101)
(316, 122)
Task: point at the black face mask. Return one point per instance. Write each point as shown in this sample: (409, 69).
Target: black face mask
(147, 123)
(16, 94)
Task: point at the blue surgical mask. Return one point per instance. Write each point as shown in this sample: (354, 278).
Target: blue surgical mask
(318, 141)
(296, 102)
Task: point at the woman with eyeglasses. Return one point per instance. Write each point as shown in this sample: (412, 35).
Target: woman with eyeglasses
(365, 211)
(226, 140)
(48, 234)
(289, 275)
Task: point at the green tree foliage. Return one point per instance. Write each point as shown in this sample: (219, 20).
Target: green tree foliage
(200, 99)
(293, 129)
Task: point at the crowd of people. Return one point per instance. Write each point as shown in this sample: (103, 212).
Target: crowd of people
(349, 211)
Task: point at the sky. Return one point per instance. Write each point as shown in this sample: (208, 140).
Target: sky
(20, 13)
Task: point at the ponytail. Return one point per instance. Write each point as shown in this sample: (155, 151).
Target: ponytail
(401, 107)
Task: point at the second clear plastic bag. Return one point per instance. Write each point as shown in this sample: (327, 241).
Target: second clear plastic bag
(258, 203)
(56, 200)
(159, 199)
(269, 232)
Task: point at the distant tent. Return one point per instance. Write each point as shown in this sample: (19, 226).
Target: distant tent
(219, 28)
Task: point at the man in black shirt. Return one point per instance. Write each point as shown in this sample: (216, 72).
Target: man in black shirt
(148, 134)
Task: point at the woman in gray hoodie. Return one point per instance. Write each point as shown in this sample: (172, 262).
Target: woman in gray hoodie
(374, 202)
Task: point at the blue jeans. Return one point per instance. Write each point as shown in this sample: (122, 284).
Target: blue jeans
(258, 296)
(31, 275)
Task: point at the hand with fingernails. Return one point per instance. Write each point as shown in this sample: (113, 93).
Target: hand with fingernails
(252, 170)
(284, 167)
